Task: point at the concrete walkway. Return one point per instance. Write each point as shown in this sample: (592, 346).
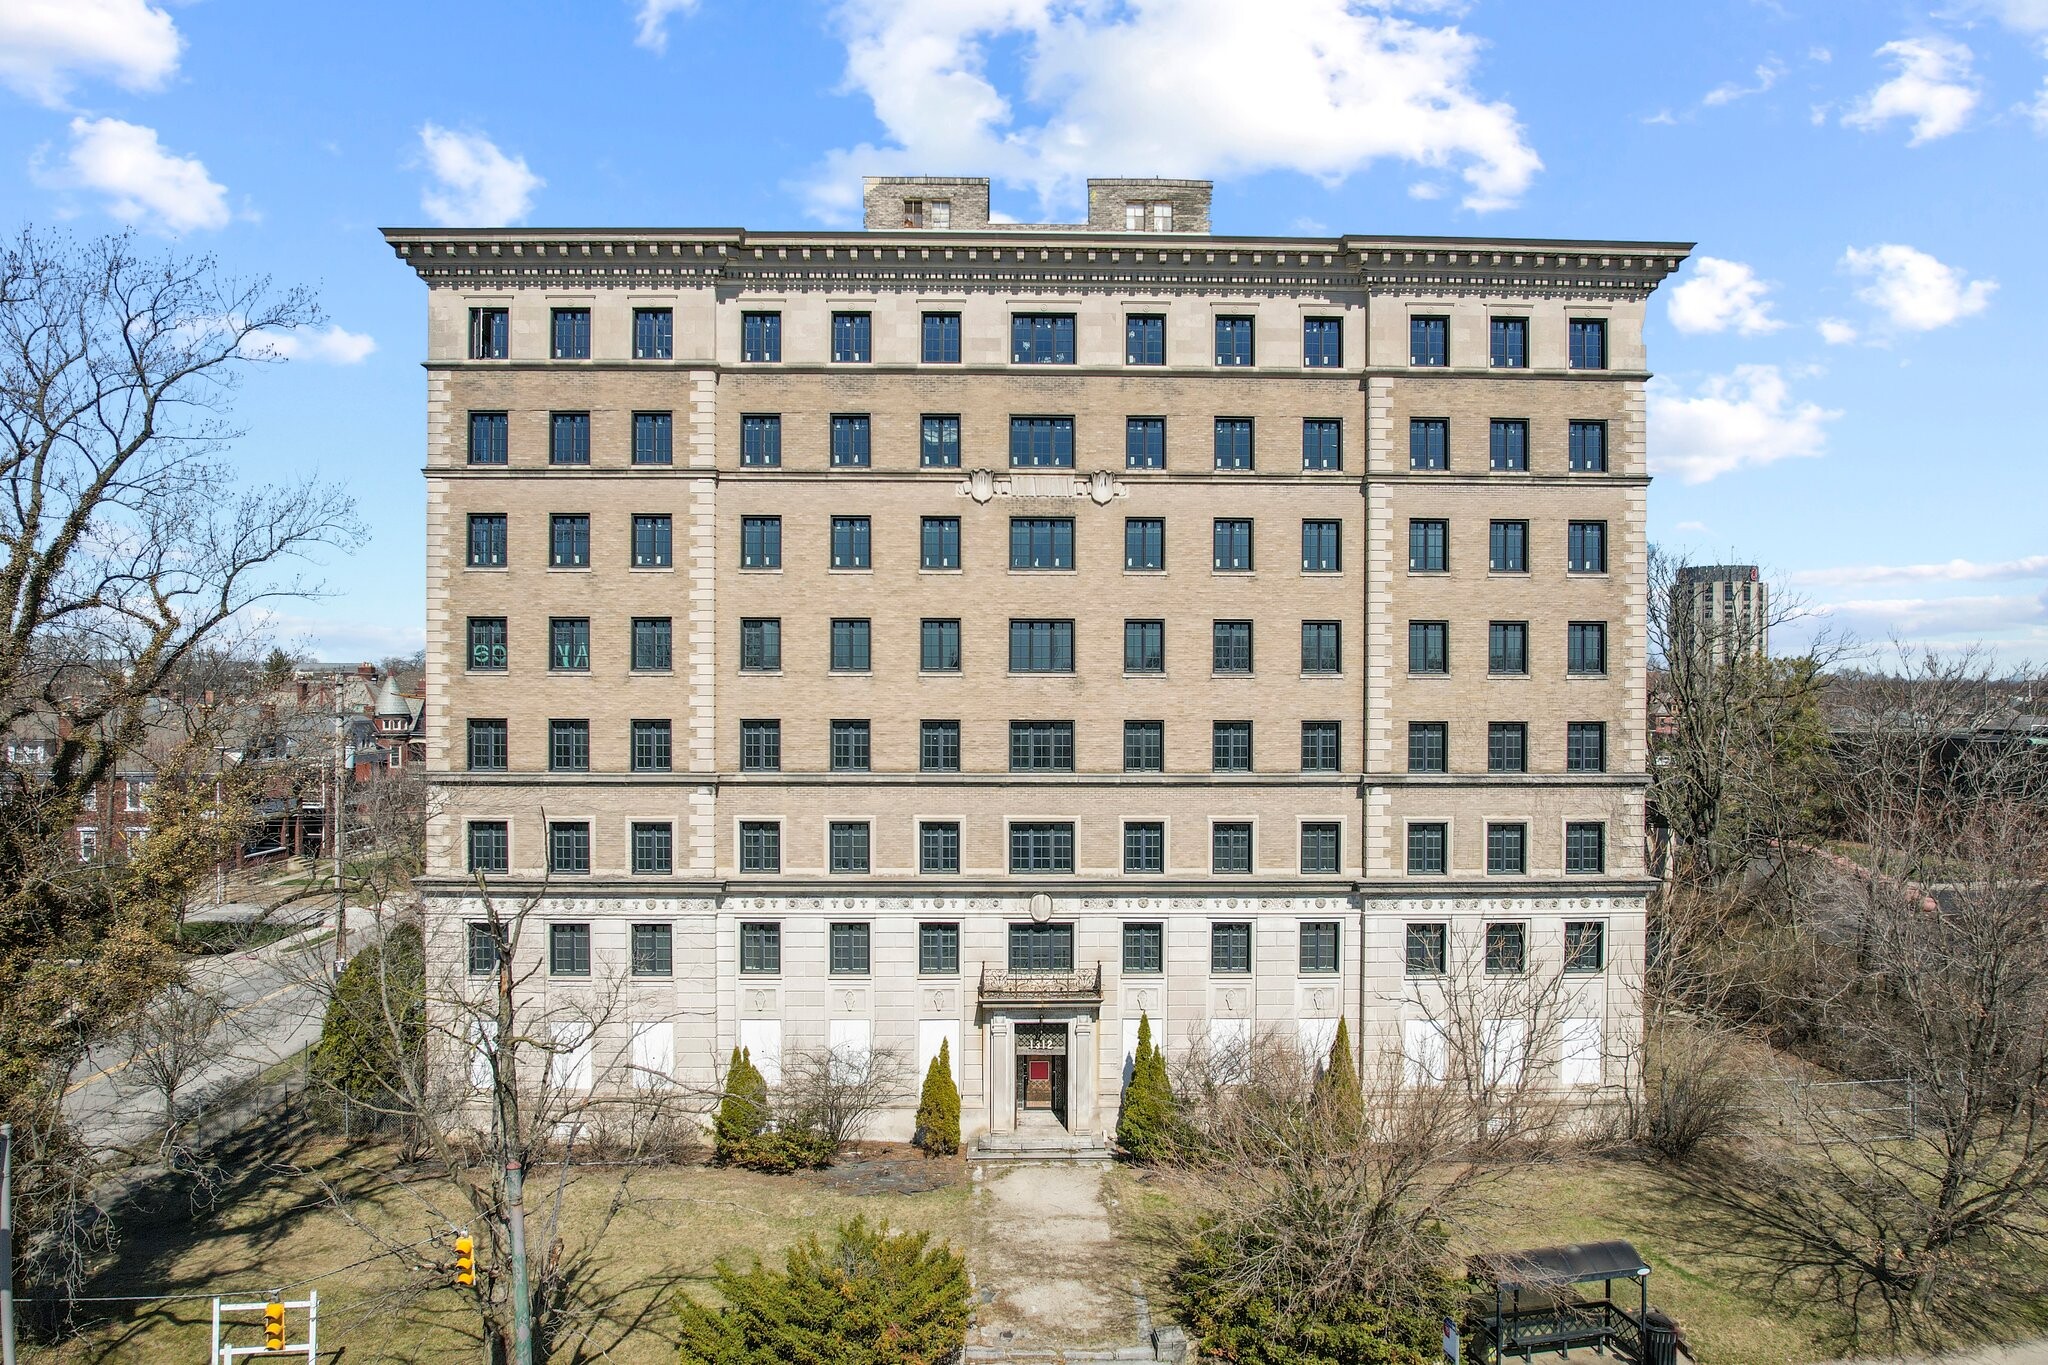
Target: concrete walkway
(1049, 1271)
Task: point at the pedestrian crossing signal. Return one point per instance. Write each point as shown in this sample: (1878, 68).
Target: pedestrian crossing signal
(465, 1259)
(273, 1327)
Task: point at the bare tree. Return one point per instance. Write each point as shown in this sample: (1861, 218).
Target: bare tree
(506, 1089)
(169, 1042)
(1917, 1206)
(836, 1092)
(1738, 749)
(129, 547)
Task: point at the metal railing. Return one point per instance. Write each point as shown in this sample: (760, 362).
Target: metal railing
(1073, 986)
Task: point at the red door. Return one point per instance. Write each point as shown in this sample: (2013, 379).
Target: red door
(1038, 1083)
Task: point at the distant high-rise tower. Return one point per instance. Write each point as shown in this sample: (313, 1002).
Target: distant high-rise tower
(1721, 609)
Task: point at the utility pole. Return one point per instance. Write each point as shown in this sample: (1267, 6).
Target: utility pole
(6, 1244)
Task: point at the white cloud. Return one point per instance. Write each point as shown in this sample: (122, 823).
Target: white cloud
(1820, 55)
(2024, 16)
(1167, 87)
(2037, 112)
(652, 19)
(1954, 571)
(336, 345)
(1934, 87)
(476, 185)
(1766, 76)
(1423, 189)
(1914, 291)
(1737, 420)
(45, 45)
(1693, 527)
(1836, 332)
(1722, 294)
(140, 181)
(1938, 617)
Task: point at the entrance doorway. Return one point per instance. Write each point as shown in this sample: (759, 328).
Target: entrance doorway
(1042, 1070)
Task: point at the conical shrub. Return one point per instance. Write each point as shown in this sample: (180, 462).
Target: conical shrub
(938, 1108)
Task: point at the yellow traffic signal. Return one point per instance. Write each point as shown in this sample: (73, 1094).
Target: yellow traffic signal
(273, 1327)
(465, 1259)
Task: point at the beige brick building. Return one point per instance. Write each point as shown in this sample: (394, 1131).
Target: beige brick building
(988, 632)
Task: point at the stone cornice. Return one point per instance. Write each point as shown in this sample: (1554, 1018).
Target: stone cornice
(1027, 263)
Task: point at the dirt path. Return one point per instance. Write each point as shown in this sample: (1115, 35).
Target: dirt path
(1049, 1271)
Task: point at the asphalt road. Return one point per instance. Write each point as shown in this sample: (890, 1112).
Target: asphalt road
(271, 1001)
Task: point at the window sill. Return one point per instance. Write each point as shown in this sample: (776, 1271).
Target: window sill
(1507, 573)
(1415, 676)
(940, 673)
(1144, 573)
(851, 672)
(1428, 573)
(651, 672)
(1324, 673)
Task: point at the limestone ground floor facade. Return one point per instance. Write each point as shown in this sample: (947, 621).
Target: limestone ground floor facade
(1038, 995)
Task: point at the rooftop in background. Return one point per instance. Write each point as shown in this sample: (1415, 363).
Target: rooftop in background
(1720, 573)
(961, 204)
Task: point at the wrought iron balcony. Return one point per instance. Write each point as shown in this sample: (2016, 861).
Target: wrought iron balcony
(1082, 986)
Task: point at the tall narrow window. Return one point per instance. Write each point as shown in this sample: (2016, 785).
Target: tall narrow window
(761, 542)
(1232, 549)
(761, 336)
(1144, 851)
(760, 746)
(1507, 747)
(653, 438)
(939, 445)
(1426, 841)
(569, 541)
(1429, 443)
(1144, 339)
(1588, 344)
(852, 543)
(1429, 341)
(941, 339)
(654, 332)
(939, 646)
(1144, 646)
(1230, 945)
(1425, 949)
(568, 944)
(1429, 647)
(1586, 647)
(1321, 747)
(850, 441)
(488, 745)
(1585, 946)
(1507, 647)
(850, 647)
(1321, 647)
(761, 644)
(1585, 747)
(1321, 855)
(849, 846)
(653, 541)
(938, 746)
(490, 846)
(653, 945)
(569, 644)
(849, 746)
(761, 851)
(1507, 948)
(761, 944)
(1428, 741)
(487, 540)
(1234, 342)
(1042, 339)
(1234, 443)
(1230, 746)
(1040, 947)
(489, 438)
(849, 949)
(1508, 444)
(1507, 547)
(487, 650)
(1041, 443)
(1322, 444)
(652, 746)
(1428, 546)
(852, 337)
(1322, 343)
(490, 333)
(1585, 847)
(1588, 453)
(571, 334)
(1145, 443)
(939, 543)
(569, 438)
(1044, 848)
(1144, 746)
(761, 440)
(1144, 544)
(1510, 349)
(1322, 547)
(938, 854)
(1587, 547)
(569, 746)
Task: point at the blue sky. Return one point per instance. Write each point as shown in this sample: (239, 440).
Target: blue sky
(1848, 380)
